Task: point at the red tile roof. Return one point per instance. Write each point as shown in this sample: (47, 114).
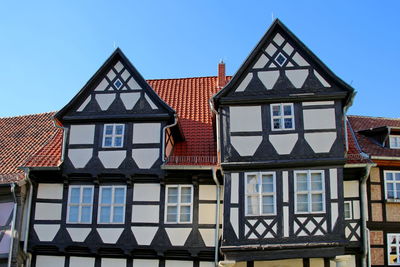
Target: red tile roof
(367, 144)
(189, 97)
(20, 138)
(354, 152)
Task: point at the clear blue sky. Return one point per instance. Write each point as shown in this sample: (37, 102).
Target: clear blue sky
(49, 49)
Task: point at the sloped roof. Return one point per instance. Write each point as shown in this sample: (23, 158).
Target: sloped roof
(354, 152)
(368, 144)
(20, 138)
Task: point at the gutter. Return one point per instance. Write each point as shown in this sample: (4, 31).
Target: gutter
(10, 253)
(364, 213)
(187, 167)
(385, 158)
(216, 237)
(163, 156)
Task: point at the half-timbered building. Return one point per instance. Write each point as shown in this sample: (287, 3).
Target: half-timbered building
(138, 172)
(379, 138)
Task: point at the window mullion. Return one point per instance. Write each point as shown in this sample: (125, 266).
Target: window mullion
(179, 204)
(80, 204)
(111, 205)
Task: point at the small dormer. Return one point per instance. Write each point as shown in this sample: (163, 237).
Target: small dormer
(117, 123)
(384, 136)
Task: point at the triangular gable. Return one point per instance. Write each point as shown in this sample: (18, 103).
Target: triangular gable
(117, 88)
(282, 63)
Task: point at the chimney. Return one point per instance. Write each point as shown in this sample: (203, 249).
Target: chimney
(221, 74)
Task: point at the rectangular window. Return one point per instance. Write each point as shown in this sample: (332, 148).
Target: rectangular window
(348, 211)
(394, 141)
(112, 204)
(393, 249)
(260, 194)
(282, 116)
(80, 204)
(113, 135)
(179, 204)
(392, 184)
(310, 191)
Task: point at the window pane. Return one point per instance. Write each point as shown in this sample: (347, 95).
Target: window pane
(288, 123)
(186, 194)
(397, 176)
(109, 129)
(119, 195)
(276, 110)
(73, 214)
(316, 181)
(268, 204)
(119, 129)
(172, 195)
(172, 214)
(108, 141)
(347, 210)
(252, 205)
(85, 214)
(302, 202)
(106, 195)
(105, 214)
(185, 214)
(118, 215)
(317, 203)
(277, 124)
(287, 110)
(118, 141)
(75, 195)
(389, 176)
(87, 195)
(301, 181)
(267, 183)
(252, 184)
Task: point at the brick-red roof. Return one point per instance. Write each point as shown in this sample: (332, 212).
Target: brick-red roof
(354, 152)
(20, 138)
(367, 144)
(190, 99)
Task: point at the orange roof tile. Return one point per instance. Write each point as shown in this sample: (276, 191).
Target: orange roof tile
(20, 138)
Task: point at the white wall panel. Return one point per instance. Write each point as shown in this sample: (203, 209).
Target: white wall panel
(144, 234)
(81, 261)
(80, 156)
(50, 261)
(81, 134)
(112, 159)
(234, 219)
(315, 119)
(246, 145)
(283, 143)
(178, 236)
(129, 99)
(111, 262)
(245, 118)
(110, 235)
(333, 183)
(46, 232)
(105, 100)
(207, 213)
(318, 103)
(78, 234)
(145, 263)
(243, 85)
(145, 157)
(208, 236)
(48, 211)
(178, 263)
(50, 191)
(145, 213)
(144, 133)
(351, 189)
(146, 192)
(207, 192)
(320, 142)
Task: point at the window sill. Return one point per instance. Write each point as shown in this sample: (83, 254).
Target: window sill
(393, 200)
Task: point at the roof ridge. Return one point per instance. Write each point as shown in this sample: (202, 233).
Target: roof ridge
(26, 115)
(364, 116)
(184, 78)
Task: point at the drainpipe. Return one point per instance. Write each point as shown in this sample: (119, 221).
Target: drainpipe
(211, 102)
(216, 238)
(364, 212)
(28, 216)
(58, 124)
(10, 254)
(163, 137)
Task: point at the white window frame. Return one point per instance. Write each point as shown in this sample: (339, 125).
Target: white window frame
(397, 235)
(350, 203)
(113, 135)
(392, 144)
(178, 204)
(394, 182)
(260, 194)
(309, 191)
(112, 205)
(80, 204)
(282, 117)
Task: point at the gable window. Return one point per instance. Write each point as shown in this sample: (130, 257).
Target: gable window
(80, 204)
(179, 204)
(392, 184)
(310, 191)
(282, 116)
(348, 211)
(113, 135)
(112, 204)
(260, 194)
(393, 249)
(394, 141)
